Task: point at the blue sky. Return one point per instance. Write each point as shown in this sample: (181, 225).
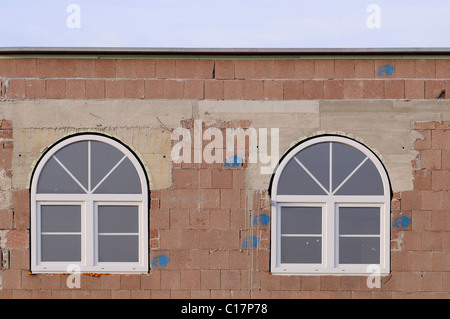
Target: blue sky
(225, 24)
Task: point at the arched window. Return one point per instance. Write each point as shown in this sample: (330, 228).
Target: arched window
(89, 208)
(330, 210)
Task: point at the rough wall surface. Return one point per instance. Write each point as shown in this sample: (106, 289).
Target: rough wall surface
(209, 223)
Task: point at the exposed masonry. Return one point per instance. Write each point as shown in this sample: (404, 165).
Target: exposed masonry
(210, 223)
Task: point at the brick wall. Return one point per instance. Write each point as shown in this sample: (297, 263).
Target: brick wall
(247, 79)
(209, 236)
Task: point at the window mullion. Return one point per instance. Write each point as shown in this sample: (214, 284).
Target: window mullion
(329, 235)
(89, 233)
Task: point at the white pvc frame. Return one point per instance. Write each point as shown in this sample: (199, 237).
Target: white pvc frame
(330, 203)
(89, 202)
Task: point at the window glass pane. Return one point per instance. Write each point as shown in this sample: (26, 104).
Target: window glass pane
(345, 159)
(307, 250)
(359, 220)
(359, 250)
(103, 158)
(123, 180)
(118, 219)
(295, 181)
(118, 248)
(316, 159)
(366, 181)
(61, 248)
(75, 158)
(58, 218)
(55, 180)
(301, 220)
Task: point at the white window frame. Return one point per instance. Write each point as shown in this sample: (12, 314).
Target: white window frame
(89, 203)
(330, 233)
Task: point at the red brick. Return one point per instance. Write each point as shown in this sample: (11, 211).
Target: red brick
(230, 279)
(441, 180)
(222, 178)
(379, 66)
(404, 69)
(224, 69)
(154, 89)
(17, 239)
(440, 220)
(75, 89)
(85, 68)
(170, 279)
(414, 89)
(210, 279)
(190, 279)
(244, 69)
(145, 68)
(425, 69)
(114, 89)
(446, 159)
(230, 198)
(431, 159)
(304, 69)
(344, 69)
(394, 89)
(410, 200)
(65, 68)
(313, 89)
(353, 89)
(173, 89)
(46, 68)
(164, 68)
(431, 240)
(26, 68)
(234, 90)
(55, 89)
(374, 89)
(35, 89)
(16, 89)
(179, 219)
(253, 90)
(293, 90)
(5, 219)
(2, 89)
(431, 200)
(214, 90)
(219, 218)
(412, 240)
(204, 69)
(422, 180)
(7, 68)
(442, 69)
(364, 69)
(134, 89)
(6, 158)
(440, 139)
(95, 89)
(105, 68)
(125, 68)
(273, 90)
(324, 69)
(11, 279)
(284, 69)
(210, 198)
(434, 88)
(333, 89)
(425, 143)
(264, 69)
(194, 89)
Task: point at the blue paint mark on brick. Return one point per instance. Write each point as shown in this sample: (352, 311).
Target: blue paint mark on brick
(387, 70)
(250, 242)
(234, 160)
(160, 261)
(402, 222)
(263, 219)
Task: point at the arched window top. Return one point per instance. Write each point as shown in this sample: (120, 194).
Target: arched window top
(331, 165)
(89, 164)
